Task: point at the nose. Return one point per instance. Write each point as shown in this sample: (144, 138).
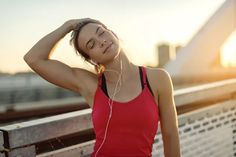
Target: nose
(103, 42)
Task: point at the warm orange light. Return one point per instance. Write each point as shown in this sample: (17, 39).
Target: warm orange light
(228, 51)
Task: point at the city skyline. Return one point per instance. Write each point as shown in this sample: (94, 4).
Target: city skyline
(140, 26)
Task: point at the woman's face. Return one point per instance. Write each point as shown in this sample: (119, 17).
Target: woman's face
(99, 43)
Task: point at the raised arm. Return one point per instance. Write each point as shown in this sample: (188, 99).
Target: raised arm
(168, 117)
(54, 71)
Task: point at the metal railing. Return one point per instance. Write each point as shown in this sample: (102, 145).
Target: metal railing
(206, 114)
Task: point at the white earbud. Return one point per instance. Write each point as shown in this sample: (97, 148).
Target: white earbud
(92, 62)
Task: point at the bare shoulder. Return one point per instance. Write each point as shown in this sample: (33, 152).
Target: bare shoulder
(160, 79)
(156, 71)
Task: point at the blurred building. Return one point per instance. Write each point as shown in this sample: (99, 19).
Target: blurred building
(163, 51)
(166, 52)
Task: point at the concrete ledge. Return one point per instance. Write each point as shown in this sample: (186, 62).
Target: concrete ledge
(34, 131)
(205, 92)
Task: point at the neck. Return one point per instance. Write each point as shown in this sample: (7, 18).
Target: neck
(113, 69)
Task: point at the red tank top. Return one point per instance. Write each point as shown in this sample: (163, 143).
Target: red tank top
(132, 126)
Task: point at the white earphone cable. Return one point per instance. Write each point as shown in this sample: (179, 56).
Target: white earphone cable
(110, 102)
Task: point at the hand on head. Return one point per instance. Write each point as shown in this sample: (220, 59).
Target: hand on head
(74, 23)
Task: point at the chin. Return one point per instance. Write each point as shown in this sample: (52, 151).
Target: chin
(111, 57)
(112, 54)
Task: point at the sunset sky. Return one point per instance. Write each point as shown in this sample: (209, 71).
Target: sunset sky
(139, 24)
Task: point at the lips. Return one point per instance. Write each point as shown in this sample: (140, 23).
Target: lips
(107, 47)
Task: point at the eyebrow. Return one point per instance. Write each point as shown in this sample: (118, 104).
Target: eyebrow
(97, 29)
(91, 39)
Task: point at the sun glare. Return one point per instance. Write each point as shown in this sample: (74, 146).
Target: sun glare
(228, 51)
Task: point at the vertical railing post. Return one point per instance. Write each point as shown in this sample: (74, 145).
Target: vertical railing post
(1, 145)
(25, 151)
(28, 151)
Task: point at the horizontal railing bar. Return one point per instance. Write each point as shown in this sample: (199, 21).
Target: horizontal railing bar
(35, 131)
(204, 92)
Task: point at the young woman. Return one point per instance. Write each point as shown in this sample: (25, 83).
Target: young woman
(127, 100)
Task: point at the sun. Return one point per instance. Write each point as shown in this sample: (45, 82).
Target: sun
(228, 51)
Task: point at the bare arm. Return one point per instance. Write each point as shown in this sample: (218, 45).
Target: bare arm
(168, 118)
(54, 71)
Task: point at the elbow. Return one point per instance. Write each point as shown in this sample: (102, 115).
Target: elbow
(28, 59)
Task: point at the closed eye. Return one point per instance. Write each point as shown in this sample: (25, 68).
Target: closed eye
(91, 44)
(101, 33)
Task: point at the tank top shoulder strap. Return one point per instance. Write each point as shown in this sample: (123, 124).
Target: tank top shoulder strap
(144, 75)
(144, 79)
(100, 80)
(102, 84)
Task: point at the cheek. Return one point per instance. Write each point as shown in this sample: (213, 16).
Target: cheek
(94, 54)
